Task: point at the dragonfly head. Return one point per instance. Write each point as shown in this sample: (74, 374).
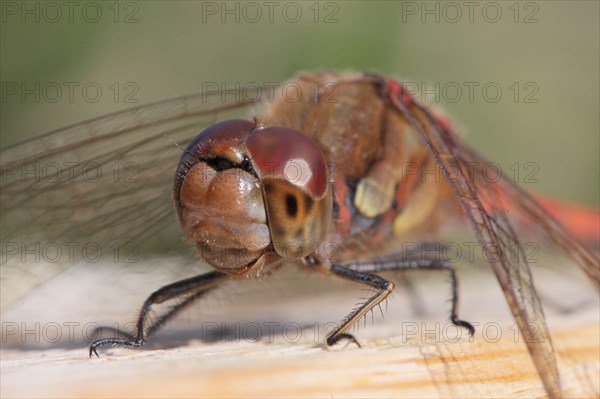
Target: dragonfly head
(244, 192)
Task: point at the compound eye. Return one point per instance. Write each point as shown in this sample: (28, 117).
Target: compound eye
(286, 154)
(297, 197)
(222, 140)
(220, 202)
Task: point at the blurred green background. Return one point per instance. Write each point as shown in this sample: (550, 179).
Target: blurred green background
(543, 55)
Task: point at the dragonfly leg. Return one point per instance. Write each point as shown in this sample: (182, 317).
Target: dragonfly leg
(361, 272)
(421, 263)
(384, 288)
(191, 288)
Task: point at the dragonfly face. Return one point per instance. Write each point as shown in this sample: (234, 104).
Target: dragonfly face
(244, 192)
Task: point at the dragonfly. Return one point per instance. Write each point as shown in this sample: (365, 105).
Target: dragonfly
(324, 171)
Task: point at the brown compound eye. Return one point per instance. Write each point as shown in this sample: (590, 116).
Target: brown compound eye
(297, 197)
(219, 198)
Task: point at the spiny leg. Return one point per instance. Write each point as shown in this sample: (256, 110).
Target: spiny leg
(419, 264)
(384, 288)
(193, 287)
(360, 272)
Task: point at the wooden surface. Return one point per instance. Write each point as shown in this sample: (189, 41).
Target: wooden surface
(403, 355)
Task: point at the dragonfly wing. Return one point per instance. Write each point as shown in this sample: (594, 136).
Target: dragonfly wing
(504, 194)
(100, 186)
(494, 231)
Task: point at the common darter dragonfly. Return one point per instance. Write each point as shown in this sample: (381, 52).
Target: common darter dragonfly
(324, 171)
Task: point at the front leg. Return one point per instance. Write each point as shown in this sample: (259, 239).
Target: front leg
(191, 288)
(384, 288)
(360, 272)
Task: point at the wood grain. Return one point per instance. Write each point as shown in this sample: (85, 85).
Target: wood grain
(405, 355)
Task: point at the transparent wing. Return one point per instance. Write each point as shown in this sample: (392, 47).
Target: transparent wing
(98, 188)
(502, 195)
(483, 203)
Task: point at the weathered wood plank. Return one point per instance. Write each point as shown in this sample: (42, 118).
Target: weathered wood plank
(402, 356)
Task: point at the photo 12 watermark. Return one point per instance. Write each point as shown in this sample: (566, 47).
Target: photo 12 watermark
(52, 12)
(269, 92)
(453, 12)
(326, 12)
(67, 252)
(53, 172)
(473, 92)
(69, 92)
